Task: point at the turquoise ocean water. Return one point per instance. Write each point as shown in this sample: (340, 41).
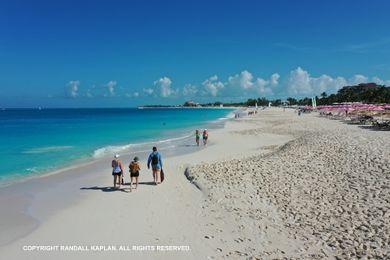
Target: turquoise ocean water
(36, 141)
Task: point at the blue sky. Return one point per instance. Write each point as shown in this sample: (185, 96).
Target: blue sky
(127, 53)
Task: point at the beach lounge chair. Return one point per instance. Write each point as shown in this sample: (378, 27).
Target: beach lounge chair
(381, 124)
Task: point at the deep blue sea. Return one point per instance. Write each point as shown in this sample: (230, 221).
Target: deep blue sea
(36, 141)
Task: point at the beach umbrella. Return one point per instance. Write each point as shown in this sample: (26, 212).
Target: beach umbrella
(377, 108)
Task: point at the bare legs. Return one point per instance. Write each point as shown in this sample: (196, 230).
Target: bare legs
(134, 179)
(156, 176)
(117, 179)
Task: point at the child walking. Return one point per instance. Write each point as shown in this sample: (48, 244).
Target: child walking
(134, 172)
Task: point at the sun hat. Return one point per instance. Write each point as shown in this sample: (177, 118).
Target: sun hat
(136, 159)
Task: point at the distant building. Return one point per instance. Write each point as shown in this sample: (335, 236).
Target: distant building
(191, 103)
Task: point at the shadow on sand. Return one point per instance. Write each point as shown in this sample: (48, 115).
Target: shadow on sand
(373, 128)
(104, 189)
(111, 189)
(146, 183)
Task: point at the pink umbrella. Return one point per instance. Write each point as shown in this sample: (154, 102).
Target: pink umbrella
(377, 108)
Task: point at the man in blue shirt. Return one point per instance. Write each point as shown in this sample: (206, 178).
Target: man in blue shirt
(156, 161)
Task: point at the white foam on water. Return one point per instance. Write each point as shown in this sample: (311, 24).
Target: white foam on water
(112, 149)
(32, 170)
(228, 116)
(47, 149)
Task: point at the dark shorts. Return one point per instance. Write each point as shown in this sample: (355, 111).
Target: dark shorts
(117, 173)
(134, 174)
(156, 167)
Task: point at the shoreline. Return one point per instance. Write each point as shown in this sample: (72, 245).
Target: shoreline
(248, 176)
(42, 209)
(28, 184)
(183, 107)
(92, 157)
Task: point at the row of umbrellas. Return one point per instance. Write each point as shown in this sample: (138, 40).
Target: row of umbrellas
(352, 107)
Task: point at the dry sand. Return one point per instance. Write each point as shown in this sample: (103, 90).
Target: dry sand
(325, 194)
(271, 186)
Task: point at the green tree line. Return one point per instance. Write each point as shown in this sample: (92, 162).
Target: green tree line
(370, 93)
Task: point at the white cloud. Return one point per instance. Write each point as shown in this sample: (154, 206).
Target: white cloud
(261, 86)
(73, 88)
(357, 79)
(163, 87)
(111, 87)
(213, 78)
(190, 90)
(212, 86)
(379, 81)
(324, 83)
(244, 80)
(274, 80)
(244, 83)
(261, 83)
(301, 83)
(148, 91)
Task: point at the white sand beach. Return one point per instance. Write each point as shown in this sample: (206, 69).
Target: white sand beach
(271, 186)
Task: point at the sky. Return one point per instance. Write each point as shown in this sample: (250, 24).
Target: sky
(128, 53)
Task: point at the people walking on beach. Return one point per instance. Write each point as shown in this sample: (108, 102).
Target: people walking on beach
(197, 137)
(134, 169)
(205, 136)
(156, 162)
(117, 170)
